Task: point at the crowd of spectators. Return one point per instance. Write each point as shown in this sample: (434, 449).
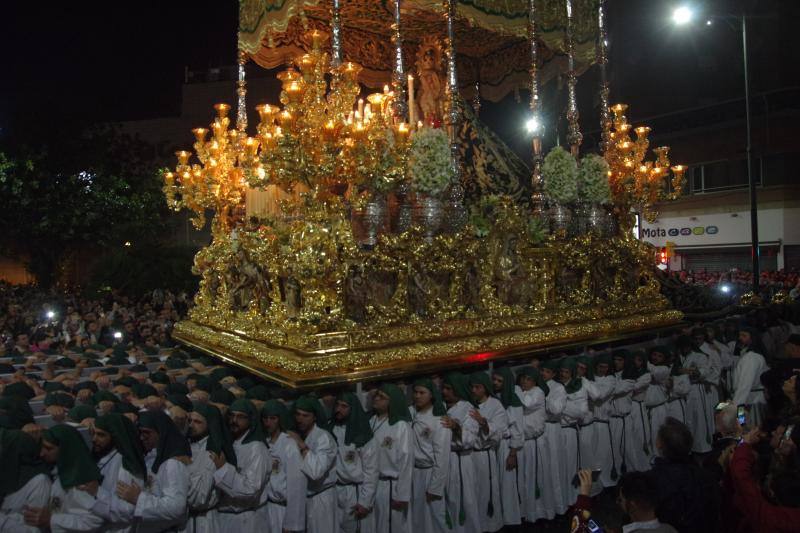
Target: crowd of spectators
(734, 283)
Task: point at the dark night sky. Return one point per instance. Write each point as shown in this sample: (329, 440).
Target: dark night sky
(124, 60)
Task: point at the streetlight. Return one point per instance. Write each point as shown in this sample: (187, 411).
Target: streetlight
(681, 16)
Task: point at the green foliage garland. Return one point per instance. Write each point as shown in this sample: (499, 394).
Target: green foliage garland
(560, 174)
(593, 179)
(429, 167)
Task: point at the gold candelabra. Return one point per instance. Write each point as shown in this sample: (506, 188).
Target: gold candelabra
(636, 181)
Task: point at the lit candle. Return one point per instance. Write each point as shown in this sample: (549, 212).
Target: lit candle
(200, 134)
(367, 112)
(222, 110)
(286, 119)
(419, 124)
(183, 157)
(361, 107)
(412, 106)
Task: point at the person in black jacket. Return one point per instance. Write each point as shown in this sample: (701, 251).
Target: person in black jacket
(687, 497)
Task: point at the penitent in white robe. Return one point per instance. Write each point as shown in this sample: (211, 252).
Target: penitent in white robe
(395, 470)
(699, 411)
(431, 470)
(535, 452)
(357, 478)
(576, 407)
(678, 392)
(655, 401)
(486, 468)
(163, 505)
(72, 510)
(551, 491)
(747, 387)
(511, 481)
(35, 493)
(203, 495)
(286, 490)
(462, 496)
(637, 435)
(117, 513)
(599, 456)
(319, 468)
(714, 375)
(243, 498)
(618, 412)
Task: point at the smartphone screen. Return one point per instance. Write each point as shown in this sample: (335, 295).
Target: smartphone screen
(593, 527)
(740, 413)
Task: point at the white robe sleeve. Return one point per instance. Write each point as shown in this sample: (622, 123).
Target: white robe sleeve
(576, 406)
(515, 425)
(173, 480)
(245, 482)
(681, 385)
(744, 377)
(202, 493)
(295, 517)
(401, 491)
(76, 514)
(369, 466)
(658, 373)
(497, 419)
(623, 387)
(555, 401)
(317, 463)
(441, 461)
(111, 507)
(533, 400)
(642, 382)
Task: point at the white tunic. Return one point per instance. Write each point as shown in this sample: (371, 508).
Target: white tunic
(357, 478)
(286, 490)
(163, 504)
(117, 513)
(678, 392)
(486, 467)
(431, 471)
(551, 491)
(462, 496)
(34, 493)
(511, 481)
(637, 435)
(243, 497)
(714, 372)
(747, 388)
(533, 425)
(203, 495)
(576, 406)
(699, 411)
(656, 402)
(599, 391)
(318, 467)
(395, 470)
(618, 412)
(72, 510)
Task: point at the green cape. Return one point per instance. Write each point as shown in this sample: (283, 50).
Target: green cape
(80, 412)
(482, 378)
(398, 407)
(75, 463)
(181, 400)
(19, 455)
(19, 389)
(126, 440)
(104, 396)
(438, 406)
(277, 408)
(223, 396)
(508, 396)
(357, 429)
(575, 383)
(171, 442)
(17, 412)
(59, 398)
(534, 374)
(460, 385)
(256, 432)
(219, 438)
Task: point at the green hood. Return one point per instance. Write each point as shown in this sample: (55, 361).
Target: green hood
(277, 408)
(219, 438)
(126, 441)
(460, 385)
(587, 361)
(574, 384)
(508, 396)
(481, 378)
(59, 398)
(438, 406)
(631, 371)
(17, 412)
(223, 396)
(19, 455)
(398, 407)
(80, 412)
(20, 389)
(534, 374)
(357, 429)
(75, 463)
(256, 432)
(310, 404)
(171, 442)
